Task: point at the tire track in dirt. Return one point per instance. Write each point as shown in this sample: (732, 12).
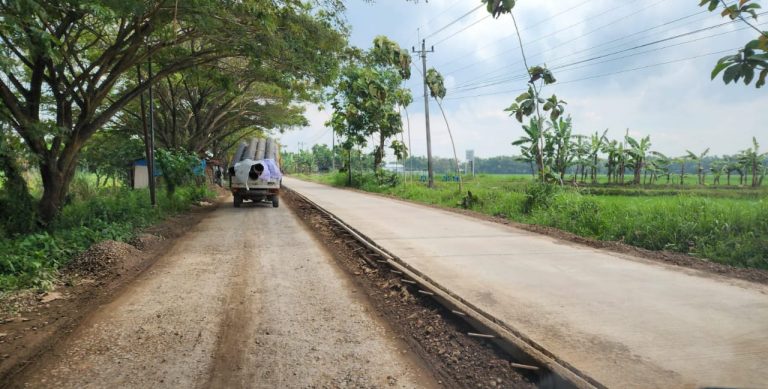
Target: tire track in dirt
(294, 320)
(248, 298)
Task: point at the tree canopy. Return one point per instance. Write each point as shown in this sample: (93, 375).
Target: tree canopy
(66, 65)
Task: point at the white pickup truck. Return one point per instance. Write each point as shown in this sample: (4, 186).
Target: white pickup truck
(254, 173)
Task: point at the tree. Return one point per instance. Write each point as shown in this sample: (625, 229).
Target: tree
(529, 145)
(699, 158)
(17, 210)
(754, 161)
(66, 62)
(660, 166)
(437, 90)
(637, 154)
(596, 144)
(177, 168)
(108, 154)
(323, 157)
(559, 148)
(366, 98)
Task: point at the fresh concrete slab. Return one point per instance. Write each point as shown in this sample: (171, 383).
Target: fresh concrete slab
(624, 321)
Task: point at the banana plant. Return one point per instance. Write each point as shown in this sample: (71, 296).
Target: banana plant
(660, 163)
(529, 143)
(754, 161)
(637, 155)
(562, 150)
(597, 142)
(699, 160)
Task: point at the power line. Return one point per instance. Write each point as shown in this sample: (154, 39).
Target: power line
(649, 51)
(649, 66)
(636, 33)
(647, 44)
(606, 74)
(567, 67)
(463, 29)
(450, 7)
(524, 29)
(489, 83)
(548, 35)
(454, 21)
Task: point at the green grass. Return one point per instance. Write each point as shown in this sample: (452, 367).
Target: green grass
(719, 224)
(96, 214)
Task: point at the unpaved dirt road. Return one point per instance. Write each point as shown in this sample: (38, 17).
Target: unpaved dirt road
(234, 305)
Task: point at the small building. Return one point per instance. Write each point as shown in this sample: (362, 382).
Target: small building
(138, 174)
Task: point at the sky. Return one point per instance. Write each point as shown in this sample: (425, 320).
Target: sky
(661, 90)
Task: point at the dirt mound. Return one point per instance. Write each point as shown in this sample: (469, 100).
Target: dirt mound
(104, 258)
(143, 241)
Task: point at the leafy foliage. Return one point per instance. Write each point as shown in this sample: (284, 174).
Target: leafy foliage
(177, 167)
(753, 58)
(435, 84)
(366, 98)
(32, 260)
(67, 65)
(498, 7)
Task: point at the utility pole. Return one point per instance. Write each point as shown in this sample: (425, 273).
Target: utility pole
(151, 161)
(423, 53)
(148, 146)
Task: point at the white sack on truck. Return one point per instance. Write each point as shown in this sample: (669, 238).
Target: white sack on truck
(267, 171)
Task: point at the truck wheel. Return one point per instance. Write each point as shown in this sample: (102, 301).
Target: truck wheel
(275, 201)
(238, 200)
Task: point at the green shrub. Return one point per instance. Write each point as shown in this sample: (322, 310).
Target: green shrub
(116, 214)
(539, 195)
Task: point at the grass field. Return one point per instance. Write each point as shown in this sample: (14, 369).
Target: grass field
(723, 224)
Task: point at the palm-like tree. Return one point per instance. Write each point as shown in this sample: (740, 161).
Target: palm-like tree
(682, 160)
(718, 168)
(754, 162)
(529, 143)
(637, 153)
(596, 145)
(660, 166)
(699, 159)
(559, 141)
(581, 149)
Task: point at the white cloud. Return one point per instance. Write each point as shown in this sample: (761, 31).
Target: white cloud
(676, 104)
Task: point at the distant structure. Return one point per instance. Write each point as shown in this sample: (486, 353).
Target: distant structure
(470, 154)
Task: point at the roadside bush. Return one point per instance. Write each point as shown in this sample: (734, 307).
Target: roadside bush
(116, 214)
(177, 167)
(539, 195)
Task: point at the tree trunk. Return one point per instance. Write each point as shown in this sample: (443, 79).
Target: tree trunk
(349, 168)
(682, 172)
(754, 173)
(379, 155)
(55, 187)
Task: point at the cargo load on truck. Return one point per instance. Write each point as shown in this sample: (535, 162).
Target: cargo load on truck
(254, 172)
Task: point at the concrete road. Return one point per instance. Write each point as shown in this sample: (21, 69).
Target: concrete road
(624, 321)
(248, 299)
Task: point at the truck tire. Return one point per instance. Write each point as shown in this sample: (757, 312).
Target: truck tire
(275, 201)
(238, 200)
